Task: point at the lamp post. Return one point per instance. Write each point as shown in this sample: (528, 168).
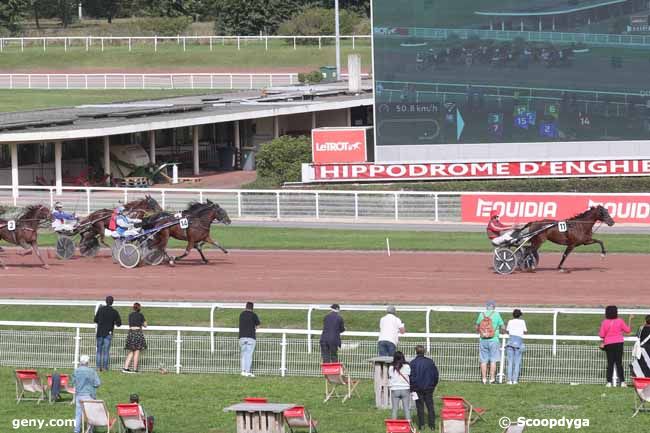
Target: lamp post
(338, 40)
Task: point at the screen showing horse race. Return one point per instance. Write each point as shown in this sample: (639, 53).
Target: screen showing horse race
(499, 71)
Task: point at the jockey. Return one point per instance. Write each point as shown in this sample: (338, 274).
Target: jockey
(498, 232)
(62, 221)
(124, 226)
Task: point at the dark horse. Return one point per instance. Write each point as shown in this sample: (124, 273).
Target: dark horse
(23, 231)
(200, 217)
(98, 221)
(579, 230)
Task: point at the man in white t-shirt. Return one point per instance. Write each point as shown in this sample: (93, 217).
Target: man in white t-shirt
(390, 327)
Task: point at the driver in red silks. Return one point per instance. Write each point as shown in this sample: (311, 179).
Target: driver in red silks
(498, 232)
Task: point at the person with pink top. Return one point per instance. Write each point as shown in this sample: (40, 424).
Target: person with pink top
(612, 332)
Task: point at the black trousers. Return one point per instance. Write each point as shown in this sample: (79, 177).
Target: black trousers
(425, 398)
(615, 359)
(329, 352)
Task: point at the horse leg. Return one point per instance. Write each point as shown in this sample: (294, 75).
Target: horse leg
(199, 248)
(603, 253)
(216, 244)
(566, 253)
(40, 257)
(188, 248)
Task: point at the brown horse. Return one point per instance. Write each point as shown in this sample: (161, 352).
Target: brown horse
(98, 221)
(573, 232)
(199, 216)
(23, 231)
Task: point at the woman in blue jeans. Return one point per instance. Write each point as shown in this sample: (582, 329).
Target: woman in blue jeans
(515, 348)
(399, 379)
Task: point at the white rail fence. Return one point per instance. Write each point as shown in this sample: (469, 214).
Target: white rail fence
(90, 43)
(147, 81)
(282, 351)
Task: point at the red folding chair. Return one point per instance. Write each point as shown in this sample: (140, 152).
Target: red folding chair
(399, 426)
(28, 381)
(255, 400)
(65, 387)
(131, 418)
(642, 388)
(454, 402)
(337, 376)
(454, 420)
(298, 417)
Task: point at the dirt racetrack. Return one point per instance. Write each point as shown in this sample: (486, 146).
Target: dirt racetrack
(334, 276)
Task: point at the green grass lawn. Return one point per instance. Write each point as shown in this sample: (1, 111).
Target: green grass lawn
(194, 403)
(21, 100)
(251, 57)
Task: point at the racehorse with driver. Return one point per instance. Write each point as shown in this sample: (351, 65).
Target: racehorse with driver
(63, 221)
(121, 225)
(500, 233)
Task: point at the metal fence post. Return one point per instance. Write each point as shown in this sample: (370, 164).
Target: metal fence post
(427, 322)
(266, 43)
(277, 204)
(200, 196)
(155, 44)
(184, 43)
(317, 206)
(555, 314)
(356, 205)
(238, 44)
(77, 345)
(210, 43)
(294, 43)
(251, 78)
(435, 207)
(239, 204)
(212, 308)
(503, 358)
(162, 199)
(129, 45)
(126, 195)
(178, 352)
(87, 201)
(396, 195)
(283, 362)
(309, 310)
(51, 198)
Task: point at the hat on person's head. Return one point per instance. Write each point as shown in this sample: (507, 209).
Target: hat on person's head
(335, 307)
(491, 305)
(134, 398)
(494, 213)
(391, 309)
(84, 359)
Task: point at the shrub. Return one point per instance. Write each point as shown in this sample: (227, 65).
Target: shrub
(310, 77)
(164, 26)
(280, 160)
(320, 22)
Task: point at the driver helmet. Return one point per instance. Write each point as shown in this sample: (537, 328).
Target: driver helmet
(120, 209)
(494, 214)
(58, 205)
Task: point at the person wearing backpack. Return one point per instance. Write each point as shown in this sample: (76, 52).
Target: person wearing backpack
(489, 325)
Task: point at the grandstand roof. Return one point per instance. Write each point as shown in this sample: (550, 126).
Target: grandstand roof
(549, 8)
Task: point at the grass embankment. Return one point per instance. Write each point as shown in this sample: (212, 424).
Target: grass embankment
(22, 100)
(194, 403)
(251, 57)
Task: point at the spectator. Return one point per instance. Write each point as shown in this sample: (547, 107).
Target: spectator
(85, 381)
(135, 399)
(390, 326)
(400, 384)
(330, 338)
(515, 348)
(612, 331)
(489, 325)
(640, 366)
(248, 323)
(135, 341)
(424, 379)
(106, 319)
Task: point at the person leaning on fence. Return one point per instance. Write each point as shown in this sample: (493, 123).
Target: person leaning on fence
(330, 338)
(515, 348)
(85, 381)
(135, 341)
(248, 323)
(390, 327)
(424, 379)
(489, 325)
(106, 319)
(399, 382)
(612, 332)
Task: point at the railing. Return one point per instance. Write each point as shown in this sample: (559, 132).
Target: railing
(309, 309)
(89, 43)
(594, 39)
(146, 81)
(282, 351)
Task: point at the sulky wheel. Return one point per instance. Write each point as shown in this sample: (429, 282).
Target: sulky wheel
(153, 256)
(89, 247)
(117, 243)
(129, 255)
(505, 261)
(64, 247)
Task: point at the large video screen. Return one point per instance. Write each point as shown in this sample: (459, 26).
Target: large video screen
(498, 71)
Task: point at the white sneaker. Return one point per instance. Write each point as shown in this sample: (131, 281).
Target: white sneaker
(609, 385)
(484, 381)
(244, 374)
(515, 383)
(623, 385)
(251, 375)
(510, 382)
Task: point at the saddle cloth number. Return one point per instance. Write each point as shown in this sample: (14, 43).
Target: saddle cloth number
(11, 225)
(184, 223)
(562, 227)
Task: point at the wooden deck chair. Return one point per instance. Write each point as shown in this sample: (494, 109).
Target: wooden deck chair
(642, 388)
(336, 376)
(474, 413)
(65, 387)
(94, 413)
(131, 418)
(399, 426)
(298, 417)
(28, 381)
(454, 419)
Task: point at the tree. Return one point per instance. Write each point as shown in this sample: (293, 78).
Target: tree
(12, 13)
(237, 17)
(280, 160)
(108, 9)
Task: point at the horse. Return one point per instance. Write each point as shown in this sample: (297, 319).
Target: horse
(579, 231)
(97, 221)
(23, 231)
(200, 217)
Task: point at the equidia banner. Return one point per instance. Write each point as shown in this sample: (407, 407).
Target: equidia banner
(522, 208)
